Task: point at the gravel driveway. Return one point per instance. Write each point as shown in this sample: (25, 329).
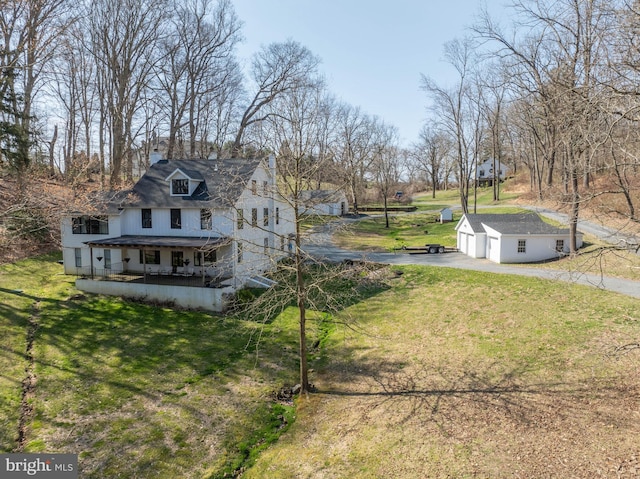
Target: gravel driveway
(319, 244)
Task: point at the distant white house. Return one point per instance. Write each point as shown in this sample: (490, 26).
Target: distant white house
(190, 232)
(511, 238)
(486, 173)
(324, 203)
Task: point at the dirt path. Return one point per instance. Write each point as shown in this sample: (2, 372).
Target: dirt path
(29, 382)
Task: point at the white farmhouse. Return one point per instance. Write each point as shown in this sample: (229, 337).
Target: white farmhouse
(190, 232)
(489, 170)
(511, 238)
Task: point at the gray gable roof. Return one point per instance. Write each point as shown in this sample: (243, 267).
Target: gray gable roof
(319, 196)
(222, 183)
(190, 172)
(521, 223)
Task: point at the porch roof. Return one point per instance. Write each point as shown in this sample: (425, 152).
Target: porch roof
(139, 241)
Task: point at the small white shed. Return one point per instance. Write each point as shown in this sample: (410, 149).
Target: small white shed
(446, 215)
(511, 238)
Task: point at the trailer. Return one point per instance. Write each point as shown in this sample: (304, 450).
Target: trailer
(430, 248)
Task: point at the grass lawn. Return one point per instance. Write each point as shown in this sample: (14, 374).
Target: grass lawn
(405, 229)
(136, 390)
(596, 257)
(467, 374)
(421, 227)
(445, 373)
(451, 197)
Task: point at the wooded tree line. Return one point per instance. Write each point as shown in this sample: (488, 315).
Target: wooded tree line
(555, 92)
(93, 87)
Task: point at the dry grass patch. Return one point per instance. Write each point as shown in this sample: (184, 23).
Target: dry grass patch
(465, 374)
(600, 259)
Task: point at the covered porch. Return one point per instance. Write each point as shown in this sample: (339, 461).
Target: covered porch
(189, 272)
(162, 259)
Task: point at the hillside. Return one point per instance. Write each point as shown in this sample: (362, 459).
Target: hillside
(30, 214)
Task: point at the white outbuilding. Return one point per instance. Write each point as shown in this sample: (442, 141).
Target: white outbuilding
(512, 238)
(323, 203)
(446, 215)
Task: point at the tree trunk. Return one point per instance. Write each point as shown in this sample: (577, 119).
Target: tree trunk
(575, 209)
(386, 212)
(301, 302)
(52, 147)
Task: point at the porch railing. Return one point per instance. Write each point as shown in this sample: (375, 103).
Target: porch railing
(179, 279)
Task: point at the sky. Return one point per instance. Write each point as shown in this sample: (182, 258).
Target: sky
(373, 52)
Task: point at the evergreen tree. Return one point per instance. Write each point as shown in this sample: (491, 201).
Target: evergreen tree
(14, 139)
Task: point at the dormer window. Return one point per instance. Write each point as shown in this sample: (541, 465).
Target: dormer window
(180, 186)
(183, 182)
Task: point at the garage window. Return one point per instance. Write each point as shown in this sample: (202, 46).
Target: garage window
(522, 246)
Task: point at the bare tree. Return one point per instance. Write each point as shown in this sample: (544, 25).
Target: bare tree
(276, 69)
(124, 39)
(385, 164)
(354, 148)
(456, 108)
(430, 155)
(492, 101)
(293, 135)
(29, 32)
(555, 63)
(197, 61)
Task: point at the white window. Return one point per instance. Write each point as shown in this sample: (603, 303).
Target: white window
(210, 257)
(206, 222)
(150, 257)
(91, 225)
(146, 218)
(180, 186)
(522, 246)
(240, 219)
(176, 219)
(78, 256)
(107, 259)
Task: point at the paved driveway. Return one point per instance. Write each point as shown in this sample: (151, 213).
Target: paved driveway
(319, 244)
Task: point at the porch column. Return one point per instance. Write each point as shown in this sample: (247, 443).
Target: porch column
(144, 265)
(91, 260)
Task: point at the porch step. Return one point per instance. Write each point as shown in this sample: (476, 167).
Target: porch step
(261, 282)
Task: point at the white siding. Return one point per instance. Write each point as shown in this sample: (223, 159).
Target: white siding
(538, 248)
(254, 259)
(211, 299)
(72, 241)
(493, 248)
(222, 223)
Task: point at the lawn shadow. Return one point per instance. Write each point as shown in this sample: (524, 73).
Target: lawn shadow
(137, 339)
(453, 398)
